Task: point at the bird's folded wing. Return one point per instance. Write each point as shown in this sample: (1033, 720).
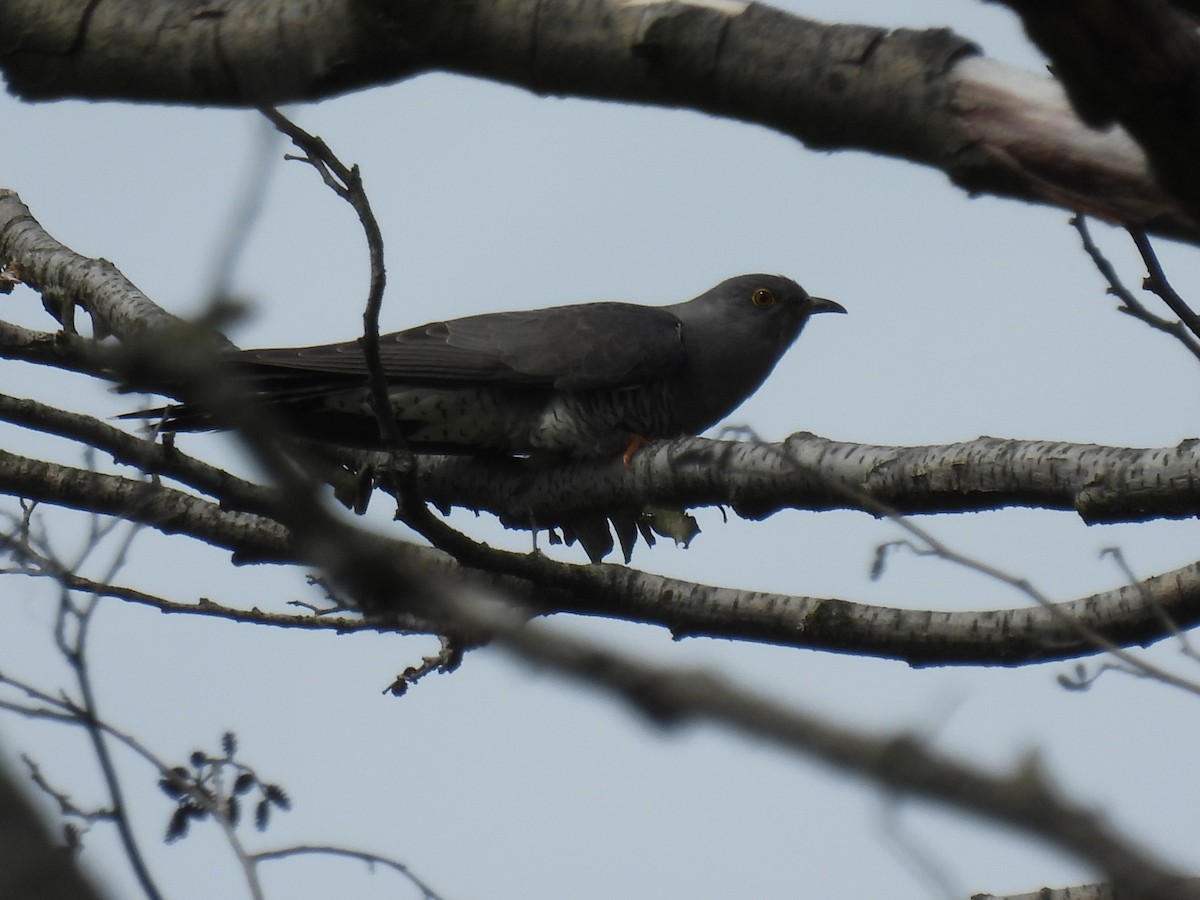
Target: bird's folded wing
(591, 345)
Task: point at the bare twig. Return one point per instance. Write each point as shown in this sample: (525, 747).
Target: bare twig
(68, 713)
(66, 806)
(370, 859)
(1130, 304)
(448, 658)
(190, 788)
(935, 547)
(919, 858)
(400, 478)
(34, 563)
(346, 182)
(74, 649)
(1158, 283)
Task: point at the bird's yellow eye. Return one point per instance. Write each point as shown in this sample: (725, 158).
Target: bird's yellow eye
(762, 298)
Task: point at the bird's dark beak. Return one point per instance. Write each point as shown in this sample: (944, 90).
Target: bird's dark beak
(820, 305)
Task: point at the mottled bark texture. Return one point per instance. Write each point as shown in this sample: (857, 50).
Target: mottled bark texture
(922, 96)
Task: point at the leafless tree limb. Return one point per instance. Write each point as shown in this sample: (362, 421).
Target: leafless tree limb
(1078, 892)
(346, 182)
(1127, 615)
(925, 96)
(370, 859)
(33, 864)
(1157, 282)
(1130, 304)
(1132, 62)
(1100, 484)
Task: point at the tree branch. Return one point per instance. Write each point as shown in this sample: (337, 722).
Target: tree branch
(1132, 62)
(1130, 615)
(33, 864)
(1024, 799)
(254, 538)
(924, 96)
(1101, 484)
(141, 453)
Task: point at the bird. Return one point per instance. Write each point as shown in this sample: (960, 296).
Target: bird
(584, 381)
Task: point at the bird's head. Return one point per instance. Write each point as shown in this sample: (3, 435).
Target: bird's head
(766, 312)
(736, 332)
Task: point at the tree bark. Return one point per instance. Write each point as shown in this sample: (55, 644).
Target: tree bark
(923, 96)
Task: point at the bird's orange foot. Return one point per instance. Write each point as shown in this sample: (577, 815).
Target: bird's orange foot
(636, 443)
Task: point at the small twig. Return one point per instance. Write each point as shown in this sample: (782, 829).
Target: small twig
(447, 659)
(346, 182)
(400, 480)
(35, 565)
(66, 806)
(192, 787)
(370, 859)
(68, 713)
(1130, 304)
(1081, 679)
(1157, 282)
(202, 791)
(65, 712)
(74, 650)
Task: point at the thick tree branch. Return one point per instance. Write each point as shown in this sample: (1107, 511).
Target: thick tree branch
(141, 453)
(669, 696)
(96, 285)
(1130, 615)
(254, 538)
(756, 479)
(672, 696)
(1101, 484)
(1077, 892)
(46, 349)
(922, 96)
(1135, 63)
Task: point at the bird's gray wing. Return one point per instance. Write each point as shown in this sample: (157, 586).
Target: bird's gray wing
(590, 345)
